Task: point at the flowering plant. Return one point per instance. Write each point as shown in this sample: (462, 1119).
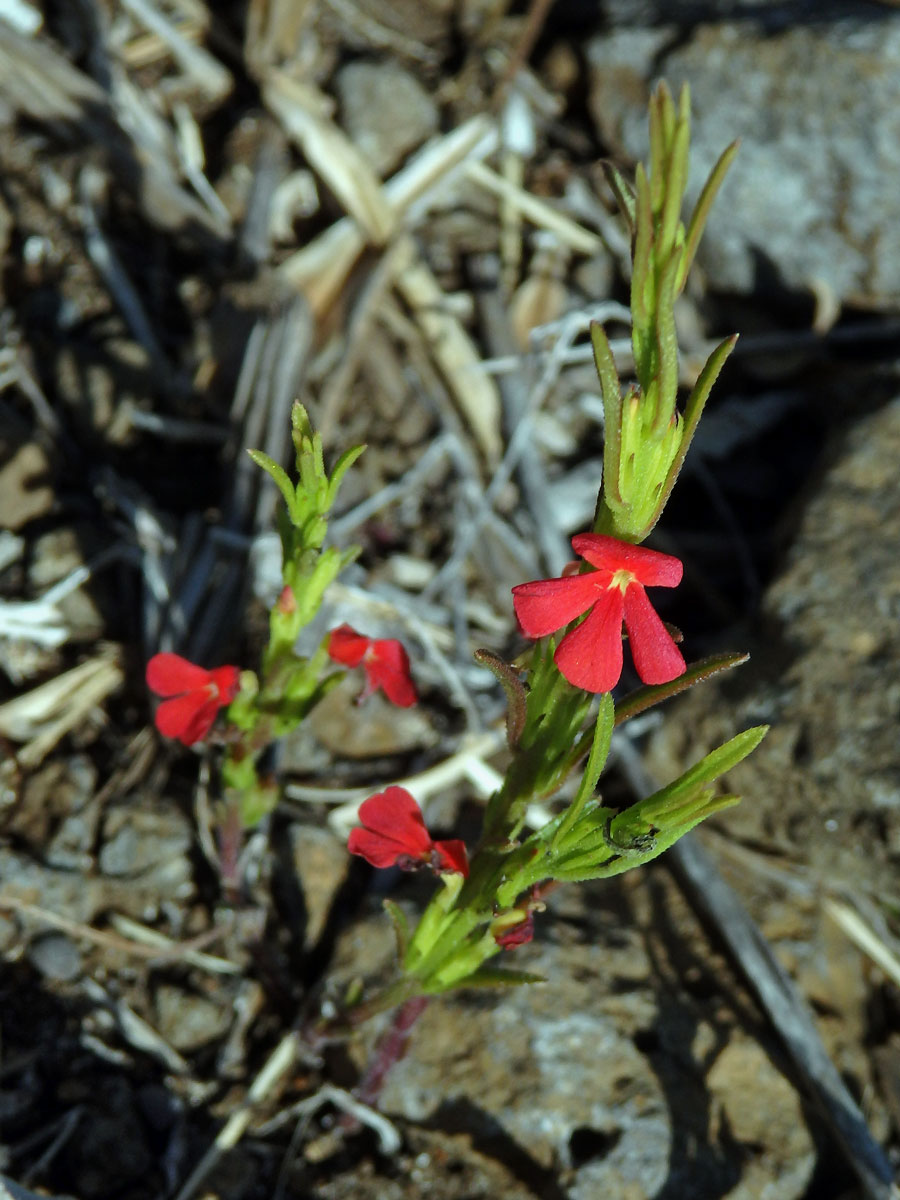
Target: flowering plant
(562, 711)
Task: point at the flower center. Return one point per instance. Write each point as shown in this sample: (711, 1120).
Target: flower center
(621, 579)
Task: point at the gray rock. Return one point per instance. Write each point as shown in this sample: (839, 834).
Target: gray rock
(813, 190)
(825, 783)
(56, 957)
(153, 844)
(188, 1020)
(596, 1074)
(385, 110)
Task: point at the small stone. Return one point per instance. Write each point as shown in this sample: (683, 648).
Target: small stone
(187, 1020)
(386, 111)
(56, 957)
(764, 1114)
(154, 845)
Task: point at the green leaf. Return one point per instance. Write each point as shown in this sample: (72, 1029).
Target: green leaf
(612, 412)
(645, 697)
(702, 210)
(280, 477)
(692, 413)
(623, 192)
(658, 147)
(341, 467)
(516, 703)
(706, 771)
(499, 977)
(642, 281)
(667, 348)
(400, 925)
(607, 861)
(676, 180)
(605, 365)
(603, 730)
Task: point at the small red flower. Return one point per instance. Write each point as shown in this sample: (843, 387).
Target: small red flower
(590, 657)
(394, 834)
(384, 661)
(197, 695)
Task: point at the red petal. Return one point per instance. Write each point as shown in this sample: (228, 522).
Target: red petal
(590, 657)
(347, 646)
(170, 675)
(188, 718)
(387, 667)
(649, 567)
(452, 856)
(546, 605)
(374, 848)
(228, 683)
(656, 657)
(395, 816)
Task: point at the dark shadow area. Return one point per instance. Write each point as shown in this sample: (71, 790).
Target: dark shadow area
(491, 1139)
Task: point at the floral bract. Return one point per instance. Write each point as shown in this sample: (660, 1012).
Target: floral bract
(394, 834)
(384, 661)
(590, 657)
(517, 930)
(197, 695)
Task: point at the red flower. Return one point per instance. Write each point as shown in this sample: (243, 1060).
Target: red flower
(384, 661)
(197, 694)
(590, 657)
(394, 833)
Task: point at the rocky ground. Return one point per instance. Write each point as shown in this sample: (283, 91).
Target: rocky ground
(206, 211)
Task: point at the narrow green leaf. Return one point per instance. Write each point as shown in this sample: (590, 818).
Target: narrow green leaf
(658, 151)
(341, 467)
(666, 108)
(603, 729)
(667, 347)
(516, 703)
(605, 364)
(676, 182)
(499, 977)
(642, 281)
(280, 476)
(692, 413)
(581, 869)
(702, 209)
(725, 758)
(623, 192)
(400, 926)
(646, 697)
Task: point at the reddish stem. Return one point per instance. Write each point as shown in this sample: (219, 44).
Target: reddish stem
(391, 1047)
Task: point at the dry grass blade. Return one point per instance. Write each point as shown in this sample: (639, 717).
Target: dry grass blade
(474, 392)
(328, 149)
(538, 211)
(139, 942)
(207, 72)
(39, 82)
(47, 713)
(274, 30)
(320, 269)
(865, 938)
(278, 1066)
